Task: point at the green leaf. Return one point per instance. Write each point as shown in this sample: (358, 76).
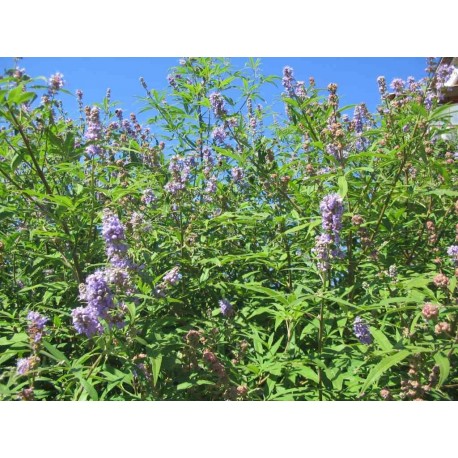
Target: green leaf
(266, 291)
(156, 368)
(204, 382)
(257, 342)
(381, 339)
(228, 153)
(444, 367)
(20, 337)
(55, 353)
(25, 97)
(89, 388)
(274, 348)
(184, 386)
(6, 356)
(15, 94)
(383, 366)
(132, 310)
(442, 192)
(260, 311)
(308, 373)
(452, 284)
(46, 296)
(343, 186)
(296, 228)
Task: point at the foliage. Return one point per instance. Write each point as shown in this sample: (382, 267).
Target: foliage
(223, 256)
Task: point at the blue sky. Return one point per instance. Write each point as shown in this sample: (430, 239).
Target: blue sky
(356, 77)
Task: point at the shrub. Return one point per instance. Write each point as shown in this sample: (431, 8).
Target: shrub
(214, 256)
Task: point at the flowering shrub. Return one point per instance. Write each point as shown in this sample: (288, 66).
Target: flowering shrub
(212, 256)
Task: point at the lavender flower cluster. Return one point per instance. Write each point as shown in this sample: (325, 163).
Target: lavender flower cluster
(25, 365)
(453, 252)
(180, 169)
(172, 79)
(226, 307)
(217, 104)
(94, 131)
(148, 197)
(361, 331)
(300, 90)
(359, 123)
(254, 119)
(294, 88)
(171, 278)
(36, 325)
(98, 295)
(98, 291)
(113, 232)
(331, 211)
(411, 89)
(381, 81)
(219, 134)
(210, 189)
(443, 74)
(397, 84)
(322, 251)
(331, 208)
(35, 329)
(56, 82)
(208, 160)
(287, 80)
(116, 247)
(237, 174)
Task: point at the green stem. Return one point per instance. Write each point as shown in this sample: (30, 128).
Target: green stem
(31, 153)
(76, 266)
(320, 339)
(80, 389)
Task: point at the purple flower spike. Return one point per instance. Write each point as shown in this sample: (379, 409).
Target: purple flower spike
(237, 174)
(226, 308)
(36, 320)
(361, 331)
(287, 80)
(97, 293)
(219, 134)
(148, 197)
(36, 325)
(453, 252)
(86, 321)
(322, 251)
(173, 277)
(56, 82)
(113, 231)
(331, 211)
(24, 365)
(217, 104)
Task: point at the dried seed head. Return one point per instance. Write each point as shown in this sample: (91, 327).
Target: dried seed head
(357, 220)
(442, 327)
(386, 394)
(430, 311)
(441, 281)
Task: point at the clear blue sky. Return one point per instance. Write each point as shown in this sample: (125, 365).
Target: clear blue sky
(356, 77)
